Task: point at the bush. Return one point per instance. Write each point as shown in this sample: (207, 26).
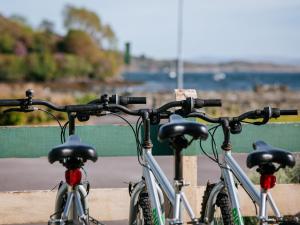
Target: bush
(12, 68)
(86, 98)
(7, 43)
(43, 42)
(107, 64)
(71, 65)
(19, 118)
(41, 67)
(104, 63)
(26, 54)
(80, 43)
(12, 118)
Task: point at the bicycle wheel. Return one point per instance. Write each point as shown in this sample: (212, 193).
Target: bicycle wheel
(221, 209)
(144, 214)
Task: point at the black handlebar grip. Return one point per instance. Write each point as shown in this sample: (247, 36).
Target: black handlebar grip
(289, 112)
(136, 100)
(10, 102)
(121, 100)
(213, 102)
(207, 103)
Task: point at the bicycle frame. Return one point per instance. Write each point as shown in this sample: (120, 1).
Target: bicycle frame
(156, 182)
(229, 169)
(76, 204)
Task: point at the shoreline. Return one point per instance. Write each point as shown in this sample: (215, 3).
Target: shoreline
(234, 102)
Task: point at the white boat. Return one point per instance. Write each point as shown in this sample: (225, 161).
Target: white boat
(172, 74)
(219, 76)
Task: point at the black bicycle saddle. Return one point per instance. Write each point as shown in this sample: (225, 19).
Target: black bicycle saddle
(265, 154)
(72, 148)
(178, 126)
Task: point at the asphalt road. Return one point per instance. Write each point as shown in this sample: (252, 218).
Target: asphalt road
(108, 172)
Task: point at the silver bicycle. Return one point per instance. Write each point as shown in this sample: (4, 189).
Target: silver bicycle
(268, 159)
(71, 205)
(147, 196)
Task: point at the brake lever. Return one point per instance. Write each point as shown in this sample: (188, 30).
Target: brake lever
(267, 114)
(261, 123)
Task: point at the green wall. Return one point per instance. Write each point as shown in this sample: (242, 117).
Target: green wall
(114, 140)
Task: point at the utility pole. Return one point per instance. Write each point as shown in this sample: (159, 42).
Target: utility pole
(179, 64)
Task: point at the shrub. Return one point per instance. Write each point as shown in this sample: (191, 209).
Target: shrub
(41, 67)
(12, 118)
(12, 68)
(80, 43)
(7, 43)
(72, 65)
(19, 118)
(86, 98)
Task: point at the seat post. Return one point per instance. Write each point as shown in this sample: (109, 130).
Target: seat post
(178, 144)
(178, 165)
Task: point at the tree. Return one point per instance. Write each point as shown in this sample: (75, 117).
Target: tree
(80, 43)
(47, 26)
(19, 19)
(109, 37)
(89, 22)
(7, 43)
(82, 19)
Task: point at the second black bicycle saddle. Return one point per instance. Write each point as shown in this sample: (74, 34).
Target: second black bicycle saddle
(73, 148)
(265, 153)
(178, 126)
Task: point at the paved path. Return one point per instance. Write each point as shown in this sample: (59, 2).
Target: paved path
(107, 172)
(123, 222)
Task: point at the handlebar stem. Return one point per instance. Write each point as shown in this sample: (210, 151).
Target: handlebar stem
(72, 117)
(146, 121)
(226, 146)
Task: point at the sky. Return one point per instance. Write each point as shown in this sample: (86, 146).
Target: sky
(212, 29)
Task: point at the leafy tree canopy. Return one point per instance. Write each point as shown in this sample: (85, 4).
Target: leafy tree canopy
(41, 54)
(89, 22)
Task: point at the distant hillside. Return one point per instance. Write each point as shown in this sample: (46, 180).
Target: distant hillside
(86, 51)
(147, 64)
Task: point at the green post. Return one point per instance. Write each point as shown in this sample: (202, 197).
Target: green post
(127, 56)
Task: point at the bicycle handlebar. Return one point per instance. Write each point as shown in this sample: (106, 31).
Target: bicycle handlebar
(113, 103)
(267, 112)
(11, 102)
(120, 100)
(233, 124)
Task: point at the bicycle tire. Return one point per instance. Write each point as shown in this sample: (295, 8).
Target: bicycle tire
(144, 214)
(222, 203)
